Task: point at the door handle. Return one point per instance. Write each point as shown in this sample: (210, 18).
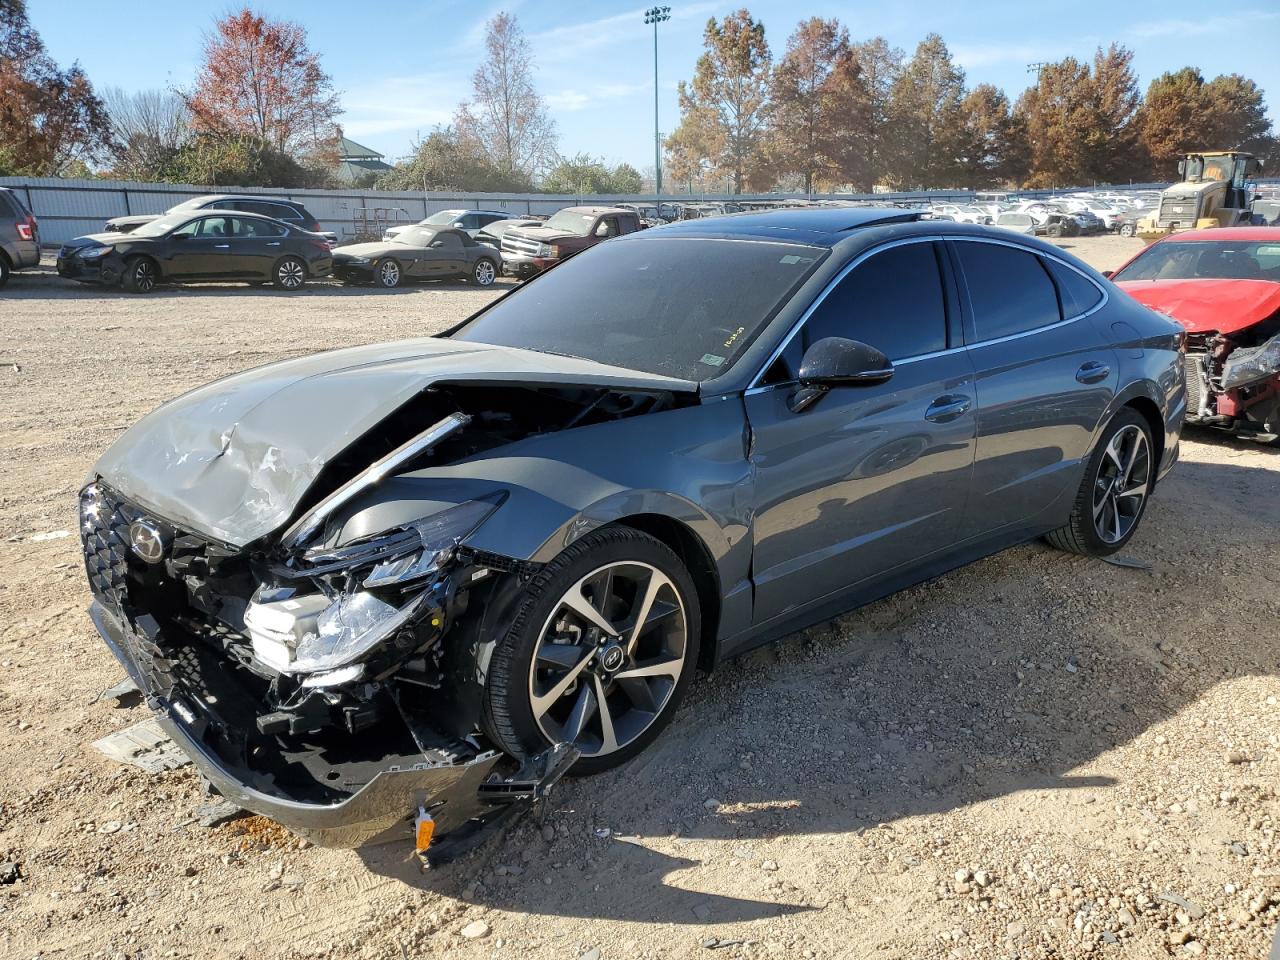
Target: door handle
(274, 243)
(1093, 372)
(222, 246)
(946, 409)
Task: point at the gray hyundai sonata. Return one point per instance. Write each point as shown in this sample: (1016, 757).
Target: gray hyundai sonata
(412, 584)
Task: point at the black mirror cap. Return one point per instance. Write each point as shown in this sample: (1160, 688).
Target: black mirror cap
(1107, 273)
(840, 362)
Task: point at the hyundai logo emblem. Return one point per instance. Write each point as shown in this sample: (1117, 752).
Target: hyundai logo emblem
(147, 541)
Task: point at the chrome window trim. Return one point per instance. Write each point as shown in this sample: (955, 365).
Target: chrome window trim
(756, 387)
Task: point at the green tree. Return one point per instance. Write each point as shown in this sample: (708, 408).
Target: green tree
(245, 161)
(820, 108)
(926, 117)
(723, 111)
(585, 174)
(447, 161)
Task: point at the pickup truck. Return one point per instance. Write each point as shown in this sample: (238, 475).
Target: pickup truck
(530, 250)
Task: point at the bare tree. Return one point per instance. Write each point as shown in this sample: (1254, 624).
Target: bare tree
(147, 128)
(505, 115)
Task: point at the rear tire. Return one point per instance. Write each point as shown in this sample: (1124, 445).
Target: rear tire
(1114, 491)
(141, 275)
(579, 665)
(290, 274)
(4, 270)
(485, 272)
(1127, 230)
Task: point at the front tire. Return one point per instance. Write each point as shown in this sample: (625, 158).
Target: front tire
(1127, 229)
(387, 273)
(484, 272)
(1113, 494)
(4, 270)
(289, 274)
(141, 275)
(601, 651)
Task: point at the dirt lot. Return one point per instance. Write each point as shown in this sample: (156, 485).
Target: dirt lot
(1035, 756)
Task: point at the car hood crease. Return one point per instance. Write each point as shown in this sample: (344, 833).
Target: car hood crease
(233, 459)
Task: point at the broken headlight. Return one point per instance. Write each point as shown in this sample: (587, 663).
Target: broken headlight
(319, 632)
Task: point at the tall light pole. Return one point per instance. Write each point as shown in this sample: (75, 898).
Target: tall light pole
(656, 15)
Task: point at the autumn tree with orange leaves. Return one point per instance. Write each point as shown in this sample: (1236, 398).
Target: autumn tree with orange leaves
(260, 80)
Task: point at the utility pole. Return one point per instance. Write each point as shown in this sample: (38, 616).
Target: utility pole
(656, 15)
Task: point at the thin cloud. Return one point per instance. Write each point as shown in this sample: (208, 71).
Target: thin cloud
(570, 40)
(570, 100)
(1174, 27)
(408, 103)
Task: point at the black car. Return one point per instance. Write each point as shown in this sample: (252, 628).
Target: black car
(418, 253)
(278, 208)
(420, 579)
(205, 246)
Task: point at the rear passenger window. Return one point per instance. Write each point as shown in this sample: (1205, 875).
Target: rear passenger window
(1078, 294)
(1009, 289)
(5, 206)
(893, 301)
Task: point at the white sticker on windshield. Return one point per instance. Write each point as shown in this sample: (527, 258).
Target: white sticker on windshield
(711, 360)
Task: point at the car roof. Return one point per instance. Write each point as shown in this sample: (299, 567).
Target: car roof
(220, 197)
(242, 214)
(823, 228)
(1228, 234)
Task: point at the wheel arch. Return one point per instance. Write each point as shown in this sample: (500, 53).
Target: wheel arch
(1147, 408)
(697, 559)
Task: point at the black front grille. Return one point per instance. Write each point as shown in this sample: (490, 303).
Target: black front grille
(104, 533)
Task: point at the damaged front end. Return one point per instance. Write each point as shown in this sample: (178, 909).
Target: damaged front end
(334, 687)
(1233, 381)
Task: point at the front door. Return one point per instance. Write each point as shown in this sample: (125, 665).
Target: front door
(870, 478)
(1045, 376)
(200, 250)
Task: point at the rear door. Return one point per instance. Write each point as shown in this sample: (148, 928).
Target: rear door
(259, 244)
(1045, 376)
(870, 478)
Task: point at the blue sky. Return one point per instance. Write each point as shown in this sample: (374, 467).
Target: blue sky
(402, 67)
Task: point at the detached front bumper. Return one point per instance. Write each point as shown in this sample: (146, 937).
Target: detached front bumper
(465, 800)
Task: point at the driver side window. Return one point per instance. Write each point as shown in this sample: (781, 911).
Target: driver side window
(893, 300)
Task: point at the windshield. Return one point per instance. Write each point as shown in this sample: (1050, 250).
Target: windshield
(571, 221)
(444, 216)
(675, 306)
(162, 225)
(1206, 260)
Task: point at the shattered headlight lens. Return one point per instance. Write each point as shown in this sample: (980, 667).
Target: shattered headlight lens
(292, 641)
(437, 535)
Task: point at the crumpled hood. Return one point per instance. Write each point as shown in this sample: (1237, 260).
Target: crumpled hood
(1204, 305)
(233, 459)
(99, 239)
(371, 250)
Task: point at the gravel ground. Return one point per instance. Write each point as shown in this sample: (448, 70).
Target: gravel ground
(1035, 756)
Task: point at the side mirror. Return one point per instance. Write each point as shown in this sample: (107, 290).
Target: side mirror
(437, 243)
(602, 230)
(1107, 273)
(838, 362)
(1182, 168)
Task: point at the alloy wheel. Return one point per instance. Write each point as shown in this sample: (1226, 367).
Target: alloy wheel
(291, 275)
(389, 273)
(1122, 484)
(144, 276)
(485, 274)
(609, 658)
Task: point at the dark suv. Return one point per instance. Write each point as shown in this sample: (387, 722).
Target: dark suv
(278, 208)
(19, 235)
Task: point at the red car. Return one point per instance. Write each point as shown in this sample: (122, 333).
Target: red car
(1223, 286)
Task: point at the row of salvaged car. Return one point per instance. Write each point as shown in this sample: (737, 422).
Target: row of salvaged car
(1065, 216)
(263, 240)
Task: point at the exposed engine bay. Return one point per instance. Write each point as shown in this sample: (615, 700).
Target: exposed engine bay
(1233, 381)
(310, 663)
